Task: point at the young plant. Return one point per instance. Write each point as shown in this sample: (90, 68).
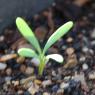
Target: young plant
(38, 52)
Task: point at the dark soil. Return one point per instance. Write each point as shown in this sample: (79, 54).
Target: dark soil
(19, 76)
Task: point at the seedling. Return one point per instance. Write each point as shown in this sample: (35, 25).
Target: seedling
(38, 52)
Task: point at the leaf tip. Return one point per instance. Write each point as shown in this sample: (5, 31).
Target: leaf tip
(70, 23)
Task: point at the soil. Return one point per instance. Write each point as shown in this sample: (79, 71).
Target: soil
(76, 76)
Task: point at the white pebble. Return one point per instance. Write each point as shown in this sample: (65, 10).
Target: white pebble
(82, 59)
(85, 49)
(46, 83)
(85, 66)
(3, 66)
(64, 85)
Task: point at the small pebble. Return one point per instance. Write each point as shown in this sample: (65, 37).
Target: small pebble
(64, 85)
(79, 77)
(29, 70)
(71, 61)
(92, 43)
(67, 78)
(23, 81)
(46, 83)
(55, 88)
(93, 34)
(69, 40)
(5, 87)
(82, 59)
(3, 66)
(2, 80)
(28, 84)
(92, 76)
(8, 79)
(37, 82)
(60, 92)
(70, 51)
(20, 92)
(33, 89)
(2, 38)
(8, 71)
(46, 93)
(7, 57)
(16, 83)
(20, 59)
(53, 73)
(23, 68)
(84, 66)
(85, 49)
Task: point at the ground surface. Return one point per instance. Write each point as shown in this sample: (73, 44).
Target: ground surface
(76, 76)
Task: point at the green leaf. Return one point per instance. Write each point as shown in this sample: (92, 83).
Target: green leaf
(58, 34)
(27, 33)
(56, 57)
(26, 52)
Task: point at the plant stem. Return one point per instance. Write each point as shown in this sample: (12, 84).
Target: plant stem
(41, 65)
(41, 68)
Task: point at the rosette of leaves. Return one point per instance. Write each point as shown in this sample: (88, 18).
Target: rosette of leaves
(38, 52)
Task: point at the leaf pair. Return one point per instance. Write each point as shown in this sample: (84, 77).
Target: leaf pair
(29, 35)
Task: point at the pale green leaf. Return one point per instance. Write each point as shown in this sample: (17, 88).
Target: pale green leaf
(26, 52)
(27, 33)
(56, 57)
(58, 34)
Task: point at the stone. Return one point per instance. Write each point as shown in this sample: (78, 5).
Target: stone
(53, 73)
(60, 92)
(23, 81)
(70, 51)
(7, 57)
(67, 78)
(46, 93)
(16, 83)
(71, 61)
(92, 43)
(20, 92)
(23, 68)
(79, 77)
(82, 58)
(27, 84)
(46, 83)
(20, 59)
(3, 66)
(8, 79)
(38, 82)
(2, 38)
(85, 49)
(69, 40)
(2, 80)
(64, 85)
(5, 87)
(93, 33)
(33, 89)
(92, 76)
(55, 88)
(8, 71)
(84, 66)
(29, 70)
